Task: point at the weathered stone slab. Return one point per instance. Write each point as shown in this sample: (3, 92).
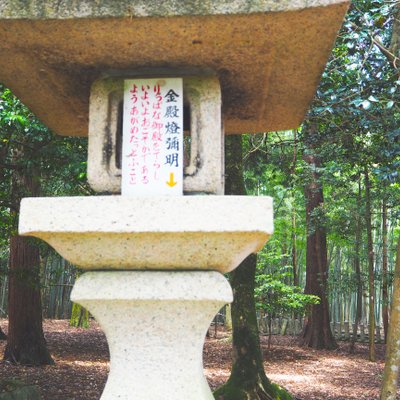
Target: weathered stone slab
(116, 232)
(268, 55)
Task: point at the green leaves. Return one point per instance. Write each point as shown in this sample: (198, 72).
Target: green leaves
(278, 299)
(366, 104)
(373, 99)
(29, 149)
(355, 118)
(389, 104)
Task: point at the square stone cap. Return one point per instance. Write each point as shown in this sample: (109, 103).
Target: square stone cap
(268, 55)
(159, 233)
(161, 214)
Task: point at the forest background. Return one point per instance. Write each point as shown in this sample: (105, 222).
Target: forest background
(335, 180)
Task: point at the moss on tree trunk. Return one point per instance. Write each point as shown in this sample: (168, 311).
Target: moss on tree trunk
(248, 379)
(79, 316)
(12, 389)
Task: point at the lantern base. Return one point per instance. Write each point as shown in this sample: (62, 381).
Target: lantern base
(155, 323)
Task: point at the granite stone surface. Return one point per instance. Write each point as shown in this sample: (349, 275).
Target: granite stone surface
(267, 54)
(155, 324)
(116, 232)
(204, 172)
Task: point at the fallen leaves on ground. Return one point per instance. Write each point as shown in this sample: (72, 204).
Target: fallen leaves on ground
(82, 363)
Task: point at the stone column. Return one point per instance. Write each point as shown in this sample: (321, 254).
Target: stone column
(155, 323)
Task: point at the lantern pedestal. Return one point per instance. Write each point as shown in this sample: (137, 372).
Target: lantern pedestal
(154, 277)
(155, 323)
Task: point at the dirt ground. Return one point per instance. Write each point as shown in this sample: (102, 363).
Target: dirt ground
(81, 366)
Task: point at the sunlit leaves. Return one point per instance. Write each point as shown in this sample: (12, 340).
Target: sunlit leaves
(27, 146)
(278, 299)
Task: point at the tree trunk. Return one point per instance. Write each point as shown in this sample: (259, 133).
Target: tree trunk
(294, 235)
(391, 372)
(228, 318)
(25, 343)
(248, 379)
(317, 331)
(395, 39)
(357, 270)
(294, 249)
(385, 300)
(371, 282)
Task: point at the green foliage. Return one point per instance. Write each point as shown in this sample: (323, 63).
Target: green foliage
(12, 389)
(277, 299)
(28, 148)
(79, 317)
(234, 392)
(30, 152)
(357, 104)
(353, 125)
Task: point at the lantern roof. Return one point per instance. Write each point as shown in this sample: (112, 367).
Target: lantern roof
(268, 55)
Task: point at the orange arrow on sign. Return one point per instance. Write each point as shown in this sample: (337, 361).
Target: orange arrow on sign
(171, 181)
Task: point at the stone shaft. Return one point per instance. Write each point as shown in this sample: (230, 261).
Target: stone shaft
(155, 323)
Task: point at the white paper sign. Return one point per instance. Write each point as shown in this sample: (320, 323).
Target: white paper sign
(152, 148)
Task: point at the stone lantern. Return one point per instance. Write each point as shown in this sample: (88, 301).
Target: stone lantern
(135, 75)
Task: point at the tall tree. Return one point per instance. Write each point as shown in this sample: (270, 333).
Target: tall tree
(25, 341)
(294, 249)
(357, 270)
(317, 331)
(356, 110)
(371, 272)
(391, 372)
(294, 235)
(30, 154)
(385, 280)
(25, 344)
(247, 379)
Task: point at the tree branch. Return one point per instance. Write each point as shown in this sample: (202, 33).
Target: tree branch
(386, 52)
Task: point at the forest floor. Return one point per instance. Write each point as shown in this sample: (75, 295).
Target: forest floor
(81, 366)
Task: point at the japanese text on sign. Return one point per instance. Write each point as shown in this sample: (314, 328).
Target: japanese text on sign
(152, 150)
